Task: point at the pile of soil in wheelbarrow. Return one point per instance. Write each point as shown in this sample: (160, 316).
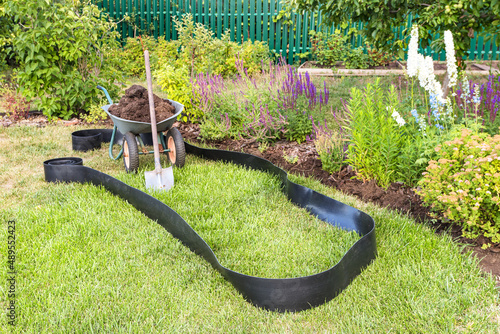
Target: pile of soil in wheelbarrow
(134, 106)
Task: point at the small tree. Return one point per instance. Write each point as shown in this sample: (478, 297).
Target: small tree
(61, 47)
(381, 17)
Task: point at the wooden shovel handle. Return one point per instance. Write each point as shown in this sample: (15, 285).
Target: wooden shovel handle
(154, 132)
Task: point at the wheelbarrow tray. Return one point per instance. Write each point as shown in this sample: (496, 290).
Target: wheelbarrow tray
(126, 125)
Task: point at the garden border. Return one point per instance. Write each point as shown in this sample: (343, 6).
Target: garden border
(288, 294)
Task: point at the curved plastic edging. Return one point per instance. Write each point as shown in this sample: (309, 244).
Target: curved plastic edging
(288, 294)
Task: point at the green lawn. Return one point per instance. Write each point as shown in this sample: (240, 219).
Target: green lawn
(89, 262)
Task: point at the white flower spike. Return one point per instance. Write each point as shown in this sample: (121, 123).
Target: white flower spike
(450, 58)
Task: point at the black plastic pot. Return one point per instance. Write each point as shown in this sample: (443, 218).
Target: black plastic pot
(86, 140)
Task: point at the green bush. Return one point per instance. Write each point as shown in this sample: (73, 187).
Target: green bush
(6, 34)
(132, 56)
(328, 49)
(299, 126)
(61, 48)
(196, 48)
(357, 59)
(203, 53)
(175, 82)
(166, 52)
(377, 57)
(464, 183)
(251, 55)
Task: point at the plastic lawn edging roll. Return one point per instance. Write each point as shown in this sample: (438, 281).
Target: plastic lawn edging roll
(287, 294)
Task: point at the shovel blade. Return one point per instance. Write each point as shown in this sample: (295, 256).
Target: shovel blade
(163, 180)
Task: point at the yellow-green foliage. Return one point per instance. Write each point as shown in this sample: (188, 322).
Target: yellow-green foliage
(202, 52)
(250, 54)
(464, 183)
(166, 52)
(94, 115)
(196, 48)
(175, 82)
(131, 57)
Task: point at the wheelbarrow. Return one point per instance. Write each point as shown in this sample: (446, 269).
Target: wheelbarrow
(133, 145)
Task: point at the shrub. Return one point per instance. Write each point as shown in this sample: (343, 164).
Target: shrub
(194, 42)
(357, 59)
(175, 82)
(464, 183)
(6, 36)
(203, 53)
(95, 114)
(132, 55)
(253, 54)
(129, 59)
(328, 49)
(61, 48)
(166, 52)
(377, 57)
(300, 125)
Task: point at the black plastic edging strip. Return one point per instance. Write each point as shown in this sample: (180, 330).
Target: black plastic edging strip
(287, 294)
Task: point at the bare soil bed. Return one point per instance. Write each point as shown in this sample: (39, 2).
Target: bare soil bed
(397, 196)
(134, 106)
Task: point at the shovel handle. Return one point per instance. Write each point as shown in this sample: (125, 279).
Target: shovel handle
(154, 132)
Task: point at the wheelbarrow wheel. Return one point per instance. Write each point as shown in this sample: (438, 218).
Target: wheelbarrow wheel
(176, 149)
(130, 153)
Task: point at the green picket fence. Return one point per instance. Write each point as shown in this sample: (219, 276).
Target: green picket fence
(261, 20)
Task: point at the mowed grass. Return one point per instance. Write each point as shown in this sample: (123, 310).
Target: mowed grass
(249, 223)
(87, 261)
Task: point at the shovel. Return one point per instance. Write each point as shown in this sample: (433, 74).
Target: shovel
(158, 179)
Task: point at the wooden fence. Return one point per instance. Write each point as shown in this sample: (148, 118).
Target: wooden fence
(262, 20)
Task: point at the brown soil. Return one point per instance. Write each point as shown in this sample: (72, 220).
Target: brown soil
(397, 196)
(134, 106)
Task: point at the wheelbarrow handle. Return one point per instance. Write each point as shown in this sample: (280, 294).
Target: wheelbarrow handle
(105, 92)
